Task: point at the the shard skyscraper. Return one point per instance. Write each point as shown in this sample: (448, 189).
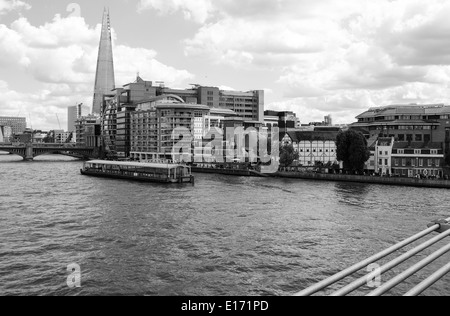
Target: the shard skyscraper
(104, 78)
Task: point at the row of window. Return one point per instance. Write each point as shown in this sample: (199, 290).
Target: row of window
(417, 151)
(405, 117)
(413, 162)
(316, 150)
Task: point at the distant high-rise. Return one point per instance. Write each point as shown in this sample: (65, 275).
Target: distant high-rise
(73, 114)
(104, 78)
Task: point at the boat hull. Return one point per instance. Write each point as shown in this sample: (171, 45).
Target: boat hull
(189, 179)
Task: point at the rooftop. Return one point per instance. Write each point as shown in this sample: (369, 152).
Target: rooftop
(299, 136)
(413, 109)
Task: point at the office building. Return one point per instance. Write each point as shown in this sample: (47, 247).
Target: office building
(60, 136)
(285, 120)
(248, 105)
(73, 114)
(407, 123)
(17, 124)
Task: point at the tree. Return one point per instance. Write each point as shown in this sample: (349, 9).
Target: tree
(352, 150)
(288, 155)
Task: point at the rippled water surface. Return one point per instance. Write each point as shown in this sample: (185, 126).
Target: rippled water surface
(223, 236)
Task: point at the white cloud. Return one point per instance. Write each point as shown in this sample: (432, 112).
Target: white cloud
(334, 55)
(60, 57)
(10, 5)
(195, 10)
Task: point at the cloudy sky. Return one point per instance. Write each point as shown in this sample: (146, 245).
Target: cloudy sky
(312, 57)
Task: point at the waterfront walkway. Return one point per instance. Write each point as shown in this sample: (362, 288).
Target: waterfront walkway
(413, 182)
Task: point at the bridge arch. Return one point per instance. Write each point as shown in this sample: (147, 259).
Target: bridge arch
(14, 152)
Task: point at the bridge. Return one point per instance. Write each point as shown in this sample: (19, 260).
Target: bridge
(32, 150)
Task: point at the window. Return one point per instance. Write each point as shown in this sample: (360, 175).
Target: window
(396, 162)
(420, 162)
(386, 162)
(438, 162)
(401, 151)
(434, 152)
(413, 162)
(381, 153)
(404, 162)
(386, 153)
(419, 137)
(417, 151)
(430, 162)
(380, 162)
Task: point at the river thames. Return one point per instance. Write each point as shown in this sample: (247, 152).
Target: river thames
(222, 236)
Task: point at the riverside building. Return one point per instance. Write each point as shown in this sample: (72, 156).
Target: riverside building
(18, 124)
(407, 123)
(314, 147)
(153, 123)
(408, 140)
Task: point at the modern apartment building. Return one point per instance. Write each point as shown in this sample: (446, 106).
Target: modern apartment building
(83, 125)
(17, 124)
(153, 123)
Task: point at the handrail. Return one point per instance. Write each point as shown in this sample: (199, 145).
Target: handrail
(403, 276)
(440, 226)
(422, 287)
(389, 266)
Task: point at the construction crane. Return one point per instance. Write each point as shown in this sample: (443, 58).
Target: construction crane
(59, 123)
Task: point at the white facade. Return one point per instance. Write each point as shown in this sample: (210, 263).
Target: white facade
(383, 156)
(311, 152)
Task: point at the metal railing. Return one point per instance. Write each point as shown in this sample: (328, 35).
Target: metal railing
(442, 227)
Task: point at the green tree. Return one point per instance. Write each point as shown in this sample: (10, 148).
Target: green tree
(352, 150)
(288, 155)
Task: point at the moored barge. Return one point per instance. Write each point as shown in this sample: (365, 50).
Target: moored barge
(146, 172)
